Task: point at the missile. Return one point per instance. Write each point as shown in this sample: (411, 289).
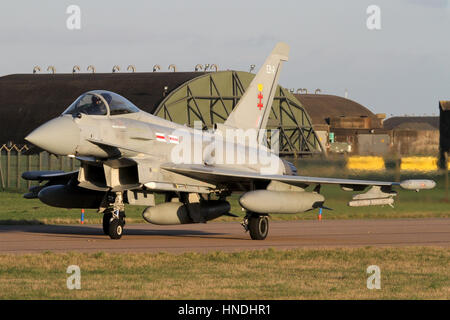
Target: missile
(417, 184)
(268, 201)
(371, 202)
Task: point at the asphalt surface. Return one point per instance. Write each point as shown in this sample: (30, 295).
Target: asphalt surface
(226, 236)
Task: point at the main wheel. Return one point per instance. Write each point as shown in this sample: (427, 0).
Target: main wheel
(258, 226)
(116, 228)
(107, 215)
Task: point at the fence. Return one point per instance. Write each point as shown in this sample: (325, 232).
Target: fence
(14, 160)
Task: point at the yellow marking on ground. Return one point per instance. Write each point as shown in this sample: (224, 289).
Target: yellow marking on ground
(366, 163)
(419, 164)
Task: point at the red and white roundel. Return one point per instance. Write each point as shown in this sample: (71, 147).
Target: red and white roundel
(160, 137)
(168, 139)
(174, 139)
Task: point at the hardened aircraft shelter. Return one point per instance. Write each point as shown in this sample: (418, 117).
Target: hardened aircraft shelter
(28, 100)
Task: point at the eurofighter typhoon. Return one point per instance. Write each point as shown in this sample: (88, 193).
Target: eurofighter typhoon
(127, 156)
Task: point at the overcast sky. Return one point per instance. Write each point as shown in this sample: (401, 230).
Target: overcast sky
(404, 68)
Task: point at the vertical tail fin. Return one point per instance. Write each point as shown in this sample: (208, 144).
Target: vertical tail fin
(253, 109)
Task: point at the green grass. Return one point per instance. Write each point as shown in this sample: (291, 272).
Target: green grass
(406, 273)
(408, 204)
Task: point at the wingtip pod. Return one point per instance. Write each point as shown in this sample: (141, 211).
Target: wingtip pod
(418, 184)
(282, 49)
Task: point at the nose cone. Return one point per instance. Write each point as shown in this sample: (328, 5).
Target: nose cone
(60, 136)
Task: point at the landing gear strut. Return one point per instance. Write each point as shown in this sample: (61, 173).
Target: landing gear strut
(257, 225)
(114, 218)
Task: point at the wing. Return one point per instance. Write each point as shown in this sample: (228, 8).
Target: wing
(220, 175)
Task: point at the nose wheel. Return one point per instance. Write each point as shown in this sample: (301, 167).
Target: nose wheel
(114, 217)
(113, 224)
(116, 228)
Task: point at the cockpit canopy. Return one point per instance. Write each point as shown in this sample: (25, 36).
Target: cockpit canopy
(101, 102)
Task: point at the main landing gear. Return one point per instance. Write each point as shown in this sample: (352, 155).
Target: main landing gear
(257, 225)
(114, 218)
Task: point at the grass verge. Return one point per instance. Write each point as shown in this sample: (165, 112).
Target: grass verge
(406, 273)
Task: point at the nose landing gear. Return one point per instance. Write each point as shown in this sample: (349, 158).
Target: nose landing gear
(114, 218)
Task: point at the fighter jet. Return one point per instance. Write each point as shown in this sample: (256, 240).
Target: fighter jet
(128, 156)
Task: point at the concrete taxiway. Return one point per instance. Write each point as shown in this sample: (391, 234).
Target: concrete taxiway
(226, 236)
